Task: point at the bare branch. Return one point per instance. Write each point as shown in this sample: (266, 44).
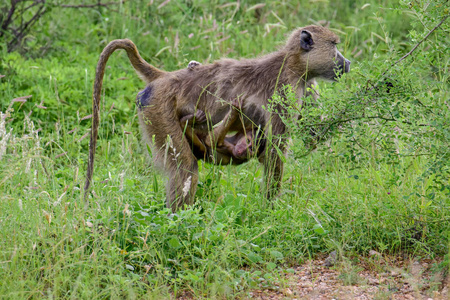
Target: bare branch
(22, 30)
(90, 5)
(8, 18)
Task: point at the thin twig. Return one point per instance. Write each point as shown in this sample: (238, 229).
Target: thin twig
(8, 18)
(417, 45)
(32, 5)
(25, 27)
(90, 5)
(340, 121)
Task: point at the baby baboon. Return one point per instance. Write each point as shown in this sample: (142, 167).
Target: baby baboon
(309, 53)
(215, 146)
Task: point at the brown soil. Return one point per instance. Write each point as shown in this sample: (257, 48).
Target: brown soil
(375, 277)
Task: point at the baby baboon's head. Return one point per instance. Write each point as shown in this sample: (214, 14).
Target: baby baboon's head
(313, 48)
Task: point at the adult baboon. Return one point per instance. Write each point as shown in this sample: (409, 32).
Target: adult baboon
(309, 53)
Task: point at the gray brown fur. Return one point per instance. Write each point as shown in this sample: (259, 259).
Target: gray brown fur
(216, 146)
(309, 53)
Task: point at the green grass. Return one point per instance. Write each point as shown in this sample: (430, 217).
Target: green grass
(352, 194)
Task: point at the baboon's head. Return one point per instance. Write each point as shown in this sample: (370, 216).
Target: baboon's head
(314, 49)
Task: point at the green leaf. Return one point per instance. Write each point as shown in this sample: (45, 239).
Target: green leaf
(271, 265)
(174, 243)
(292, 271)
(319, 229)
(253, 257)
(276, 254)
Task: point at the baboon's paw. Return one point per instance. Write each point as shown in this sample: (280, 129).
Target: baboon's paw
(200, 116)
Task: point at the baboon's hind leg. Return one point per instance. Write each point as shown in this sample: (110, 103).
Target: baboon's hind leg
(172, 153)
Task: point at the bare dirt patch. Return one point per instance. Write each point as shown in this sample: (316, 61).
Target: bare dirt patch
(375, 277)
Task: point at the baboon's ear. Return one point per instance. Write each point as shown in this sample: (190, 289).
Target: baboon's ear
(306, 41)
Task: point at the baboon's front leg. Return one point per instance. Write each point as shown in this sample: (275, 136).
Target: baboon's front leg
(273, 173)
(273, 163)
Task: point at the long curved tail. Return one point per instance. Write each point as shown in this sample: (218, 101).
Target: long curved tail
(146, 71)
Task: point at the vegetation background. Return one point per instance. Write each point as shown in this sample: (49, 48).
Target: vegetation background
(378, 180)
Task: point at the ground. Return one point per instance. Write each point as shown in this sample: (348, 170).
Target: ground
(374, 277)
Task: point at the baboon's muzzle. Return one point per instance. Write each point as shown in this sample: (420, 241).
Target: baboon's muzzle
(346, 67)
(342, 64)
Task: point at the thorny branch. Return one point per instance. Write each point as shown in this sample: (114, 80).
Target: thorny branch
(99, 3)
(417, 45)
(340, 118)
(15, 14)
(23, 29)
(14, 26)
